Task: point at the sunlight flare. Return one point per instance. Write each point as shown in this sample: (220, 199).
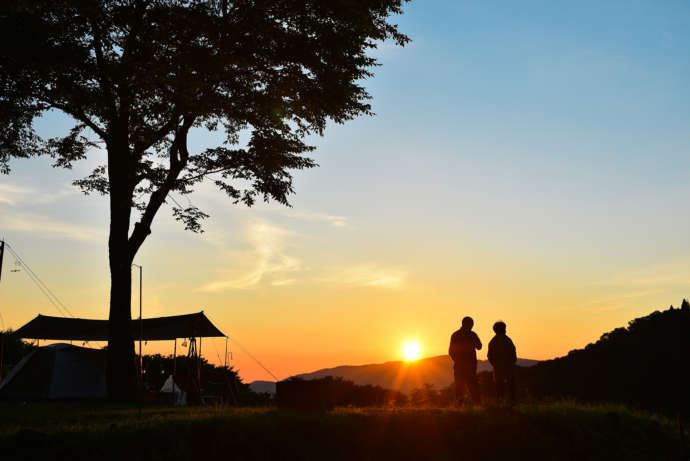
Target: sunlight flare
(411, 351)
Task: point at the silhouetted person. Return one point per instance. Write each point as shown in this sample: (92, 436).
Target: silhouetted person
(463, 346)
(503, 357)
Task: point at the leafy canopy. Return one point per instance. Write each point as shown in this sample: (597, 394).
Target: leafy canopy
(137, 75)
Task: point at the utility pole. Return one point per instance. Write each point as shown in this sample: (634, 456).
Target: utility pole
(2, 333)
(2, 252)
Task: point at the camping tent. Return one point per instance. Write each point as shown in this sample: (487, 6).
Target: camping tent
(179, 397)
(57, 371)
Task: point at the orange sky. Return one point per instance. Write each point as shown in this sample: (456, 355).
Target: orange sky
(335, 315)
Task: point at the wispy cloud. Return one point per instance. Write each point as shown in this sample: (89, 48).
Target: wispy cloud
(269, 253)
(628, 286)
(369, 275)
(52, 228)
(655, 276)
(283, 282)
(333, 220)
(13, 195)
(617, 301)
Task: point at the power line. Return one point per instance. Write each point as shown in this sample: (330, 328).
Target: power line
(42, 286)
(253, 358)
(191, 205)
(175, 201)
(45, 293)
(52, 297)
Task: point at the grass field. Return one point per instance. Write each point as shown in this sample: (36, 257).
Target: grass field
(559, 431)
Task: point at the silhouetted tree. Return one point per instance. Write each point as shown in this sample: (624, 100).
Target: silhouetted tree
(12, 350)
(446, 396)
(329, 392)
(644, 365)
(157, 368)
(136, 77)
(425, 395)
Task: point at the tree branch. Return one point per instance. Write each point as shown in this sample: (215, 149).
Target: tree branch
(105, 81)
(205, 173)
(179, 155)
(77, 114)
(140, 148)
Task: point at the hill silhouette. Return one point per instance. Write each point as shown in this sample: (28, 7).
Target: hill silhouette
(396, 375)
(646, 365)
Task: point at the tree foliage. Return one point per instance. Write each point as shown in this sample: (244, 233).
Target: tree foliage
(331, 392)
(136, 76)
(157, 369)
(12, 350)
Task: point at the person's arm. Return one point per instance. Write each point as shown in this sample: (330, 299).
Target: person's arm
(451, 349)
(512, 347)
(491, 353)
(477, 342)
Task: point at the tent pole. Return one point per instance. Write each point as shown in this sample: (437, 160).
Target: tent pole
(2, 352)
(174, 358)
(173, 370)
(198, 364)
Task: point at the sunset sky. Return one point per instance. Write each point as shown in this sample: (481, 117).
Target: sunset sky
(529, 163)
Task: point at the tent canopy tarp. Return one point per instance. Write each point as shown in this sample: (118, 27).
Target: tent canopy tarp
(155, 329)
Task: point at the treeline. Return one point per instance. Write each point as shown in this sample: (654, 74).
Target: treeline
(645, 365)
(12, 349)
(330, 392)
(157, 368)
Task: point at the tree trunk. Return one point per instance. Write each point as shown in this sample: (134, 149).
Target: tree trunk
(121, 369)
(121, 366)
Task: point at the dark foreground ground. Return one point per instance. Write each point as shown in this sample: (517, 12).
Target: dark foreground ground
(559, 431)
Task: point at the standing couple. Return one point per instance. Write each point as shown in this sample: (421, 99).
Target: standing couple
(463, 346)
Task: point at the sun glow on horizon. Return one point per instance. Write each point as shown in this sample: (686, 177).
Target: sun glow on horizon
(411, 351)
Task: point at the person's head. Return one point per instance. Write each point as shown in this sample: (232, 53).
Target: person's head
(467, 322)
(500, 328)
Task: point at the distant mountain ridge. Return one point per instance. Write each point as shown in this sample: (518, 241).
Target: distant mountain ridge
(263, 387)
(398, 375)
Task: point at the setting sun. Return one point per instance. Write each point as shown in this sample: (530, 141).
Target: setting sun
(411, 351)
